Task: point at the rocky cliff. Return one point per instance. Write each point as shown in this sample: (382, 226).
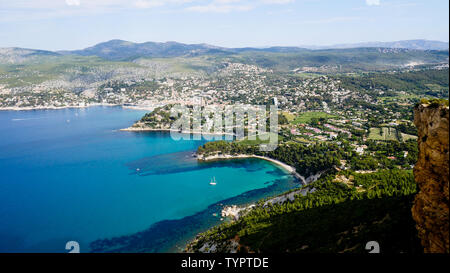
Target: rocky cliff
(431, 172)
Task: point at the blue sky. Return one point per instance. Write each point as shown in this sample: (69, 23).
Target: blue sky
(75, 24)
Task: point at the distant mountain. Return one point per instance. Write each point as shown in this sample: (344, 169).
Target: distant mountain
(13, 55)
(355, 56)
(120, 50)
(408, 44)
(343, 60)
(124, 50)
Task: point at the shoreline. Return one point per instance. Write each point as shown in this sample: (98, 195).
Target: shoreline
(125, 106)
(234, 212)
(30, 108)
(140, 129)
(291, 170)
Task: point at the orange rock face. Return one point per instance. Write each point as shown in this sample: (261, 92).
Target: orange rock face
(431, 172)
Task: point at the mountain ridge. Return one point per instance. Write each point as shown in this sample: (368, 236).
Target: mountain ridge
(120, 50)
(277, 57)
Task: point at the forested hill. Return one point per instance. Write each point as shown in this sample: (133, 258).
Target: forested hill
(333, 218)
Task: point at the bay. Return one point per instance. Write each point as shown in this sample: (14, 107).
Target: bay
(71, 175)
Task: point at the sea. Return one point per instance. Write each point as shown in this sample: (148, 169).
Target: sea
(72, 175)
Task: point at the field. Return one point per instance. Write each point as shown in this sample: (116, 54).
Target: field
(308, 116)
(388, 133)
(384, 133)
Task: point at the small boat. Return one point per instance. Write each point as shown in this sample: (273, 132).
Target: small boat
(213, 181)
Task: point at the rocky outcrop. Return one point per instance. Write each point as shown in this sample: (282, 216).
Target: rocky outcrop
(431, 172)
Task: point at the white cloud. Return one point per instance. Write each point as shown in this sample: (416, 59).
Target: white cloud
(39, 9)
(226, 1)
(73, 2)
(218, 8)
(225, 6)
(145, 4)
(373, 2)
(277, 1)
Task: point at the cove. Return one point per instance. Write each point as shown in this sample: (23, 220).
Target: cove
(71, 175)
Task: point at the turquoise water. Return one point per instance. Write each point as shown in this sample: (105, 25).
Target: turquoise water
(71, 175)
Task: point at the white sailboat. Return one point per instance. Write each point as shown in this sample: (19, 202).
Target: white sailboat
(213, 181)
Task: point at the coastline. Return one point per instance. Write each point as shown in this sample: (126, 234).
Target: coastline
(234, 212)
(141, 129)
(30, 108)
(284, 166)
(125, 106)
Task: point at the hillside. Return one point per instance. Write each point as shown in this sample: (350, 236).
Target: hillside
(347, 207)
(379, 53)
(278, 58)
(14, 55)
(121, 72)
(332, 218)
(342, 60)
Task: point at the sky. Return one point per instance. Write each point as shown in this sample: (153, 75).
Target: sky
(77, 24)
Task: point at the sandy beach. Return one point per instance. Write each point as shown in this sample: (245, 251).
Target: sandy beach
(284, 166)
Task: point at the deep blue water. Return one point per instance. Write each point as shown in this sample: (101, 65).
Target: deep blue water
(71, 175)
